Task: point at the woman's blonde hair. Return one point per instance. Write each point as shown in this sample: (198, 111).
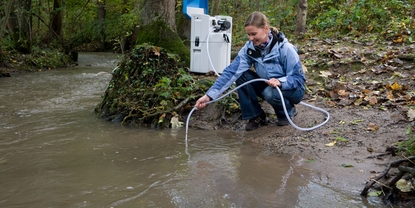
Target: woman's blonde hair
(258, 19)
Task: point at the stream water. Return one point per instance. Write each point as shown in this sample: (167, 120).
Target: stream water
(54, 152)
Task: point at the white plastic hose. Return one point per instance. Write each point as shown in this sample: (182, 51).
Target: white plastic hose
(208, 53)
(283, 104)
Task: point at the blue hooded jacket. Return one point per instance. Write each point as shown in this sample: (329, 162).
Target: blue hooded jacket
(282, 62)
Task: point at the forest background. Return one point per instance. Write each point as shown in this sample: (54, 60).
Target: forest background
(39, 35)
(40, 28)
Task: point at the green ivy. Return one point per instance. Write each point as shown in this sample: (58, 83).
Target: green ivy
(148, 83)
(408, 146)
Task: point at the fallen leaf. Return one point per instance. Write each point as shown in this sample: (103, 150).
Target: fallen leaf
(355, 122)
(325, 73)
(372, 100)
(235, 106)
(367, 91)
(304, 69)
(358, 102)
(374, 193)
(334, 132)
(347, 165)
(404, 185)
(331, 103)
(343, 93)
(398, 40)
(398, 74)
(161, 118)
(175, 123)
(331, 143)
(156, 51)
(395, 86)
(411, 114)
(390, 96)
(372, 127)
(310, 160)
(341, 139)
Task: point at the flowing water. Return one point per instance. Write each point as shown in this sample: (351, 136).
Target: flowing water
(54, 152)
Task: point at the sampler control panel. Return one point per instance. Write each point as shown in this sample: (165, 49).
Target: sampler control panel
(211, 38)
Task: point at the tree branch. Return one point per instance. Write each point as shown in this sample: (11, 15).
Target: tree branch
(392, 164)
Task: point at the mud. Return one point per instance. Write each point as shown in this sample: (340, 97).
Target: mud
(363, 139)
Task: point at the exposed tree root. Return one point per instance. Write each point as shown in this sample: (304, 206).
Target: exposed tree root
(378, 155)
(402, 170)
(4, 73)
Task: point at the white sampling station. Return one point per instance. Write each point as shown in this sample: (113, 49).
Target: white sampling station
(211, 38)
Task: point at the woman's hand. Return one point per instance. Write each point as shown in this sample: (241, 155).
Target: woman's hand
(201, 102)
(274, 82)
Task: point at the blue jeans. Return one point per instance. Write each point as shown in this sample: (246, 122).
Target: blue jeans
(248, 97)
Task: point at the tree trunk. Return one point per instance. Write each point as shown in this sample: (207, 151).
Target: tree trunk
(215, 7)
(123, 38)
(101, 24)
(20, 25)
(257, 5)
(163, 10)
(158, 27)
(3, 23)
(57, 16)
(300, 28)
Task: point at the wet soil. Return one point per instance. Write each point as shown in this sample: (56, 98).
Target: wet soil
(361, 153)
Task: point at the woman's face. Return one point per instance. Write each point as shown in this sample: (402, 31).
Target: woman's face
(256, 34)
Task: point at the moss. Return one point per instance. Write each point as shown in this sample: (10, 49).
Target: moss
(159, 34)
(356, 66)
(183, 28)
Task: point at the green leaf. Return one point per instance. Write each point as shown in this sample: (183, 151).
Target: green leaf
(347, 165)
(341, 139)
(374, 193)
(334, 132)
(163, 102)
(355, 122)
(310, 160)
(408, 130)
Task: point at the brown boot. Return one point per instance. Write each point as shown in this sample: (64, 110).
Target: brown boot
(285, 122)
(256, 122)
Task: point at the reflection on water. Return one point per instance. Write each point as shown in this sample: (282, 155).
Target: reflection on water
(55, 153)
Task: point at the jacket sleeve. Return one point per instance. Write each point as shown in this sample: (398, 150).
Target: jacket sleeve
(231, 73)
(295, 77)
(225, 80)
